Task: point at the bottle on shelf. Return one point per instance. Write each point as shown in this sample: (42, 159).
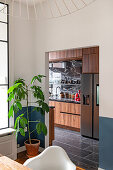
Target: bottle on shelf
(66, 95)
(61, 95)
(73, 96)
(76, 96)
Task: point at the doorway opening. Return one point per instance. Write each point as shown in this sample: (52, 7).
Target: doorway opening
(74, 94)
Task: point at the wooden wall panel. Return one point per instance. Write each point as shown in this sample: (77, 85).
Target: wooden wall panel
(51, 125)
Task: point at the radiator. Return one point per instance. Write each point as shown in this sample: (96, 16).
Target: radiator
(8, 143)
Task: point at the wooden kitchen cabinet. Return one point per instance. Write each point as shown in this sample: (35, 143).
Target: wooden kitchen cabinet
(74, 54)
(79, 53)
(56, 111)
(67, 115)
(70, 120)
(70, 115)
(90, 62)
(65, 55)
(52, 56)
(94, 63)
(89, 57)
(56, 56)
(70, 108)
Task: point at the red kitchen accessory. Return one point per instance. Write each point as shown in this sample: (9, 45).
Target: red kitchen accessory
(76, 96)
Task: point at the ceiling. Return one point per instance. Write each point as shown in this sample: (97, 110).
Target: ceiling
(47, 8)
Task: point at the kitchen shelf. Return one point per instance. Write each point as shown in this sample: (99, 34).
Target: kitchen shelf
(66, 84)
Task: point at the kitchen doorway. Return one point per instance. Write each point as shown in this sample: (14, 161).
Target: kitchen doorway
(74, 92)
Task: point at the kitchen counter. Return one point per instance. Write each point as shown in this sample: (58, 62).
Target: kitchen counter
(63, 100)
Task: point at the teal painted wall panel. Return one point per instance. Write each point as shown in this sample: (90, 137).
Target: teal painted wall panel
(106, 143)
(34, 116)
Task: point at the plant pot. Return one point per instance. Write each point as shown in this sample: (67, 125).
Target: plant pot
(33, 148)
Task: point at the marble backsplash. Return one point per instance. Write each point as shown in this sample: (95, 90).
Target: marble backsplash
(65, 77)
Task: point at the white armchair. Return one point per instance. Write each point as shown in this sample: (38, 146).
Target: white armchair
(52, 158)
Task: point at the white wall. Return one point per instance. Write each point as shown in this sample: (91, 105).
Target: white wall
(21, 49)
(90, 26)
(24, 50)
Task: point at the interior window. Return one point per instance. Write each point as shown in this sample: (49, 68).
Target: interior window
(3, 65)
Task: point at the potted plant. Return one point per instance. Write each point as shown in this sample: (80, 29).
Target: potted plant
(17, 93)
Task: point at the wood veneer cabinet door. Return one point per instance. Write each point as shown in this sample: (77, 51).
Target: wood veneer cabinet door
(90, 60)
(68, 115)
(75, 121)
(57, 56)
(70, 108)
(71, 120)
(85, 63)
(93, 63)
(79, 53)
(61, 55)
(57, 113)
(78, 108)
(70, 54)
(74, 54)
(52, 56)
(86, 51)
(65, 55)
(94, 50)
(52, 103)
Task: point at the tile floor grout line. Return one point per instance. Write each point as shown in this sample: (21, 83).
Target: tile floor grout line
(77, 155)
(70, 145)
(75, 146)
(79, 136)
(83, 142)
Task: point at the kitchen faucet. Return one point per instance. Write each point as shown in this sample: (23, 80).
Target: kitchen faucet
(56, 90)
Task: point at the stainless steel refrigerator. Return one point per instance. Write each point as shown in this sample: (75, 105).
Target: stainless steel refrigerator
(90, 105)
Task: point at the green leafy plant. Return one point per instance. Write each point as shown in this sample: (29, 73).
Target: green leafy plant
(20, 91)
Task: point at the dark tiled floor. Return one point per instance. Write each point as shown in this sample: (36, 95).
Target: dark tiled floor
(82, 151)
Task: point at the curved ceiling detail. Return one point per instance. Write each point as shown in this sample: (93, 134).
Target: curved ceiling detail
(38, 9)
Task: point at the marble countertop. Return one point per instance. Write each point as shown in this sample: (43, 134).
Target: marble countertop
(63, 100)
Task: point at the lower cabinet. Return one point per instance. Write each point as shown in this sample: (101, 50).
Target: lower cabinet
(70, 120)
(66, 114)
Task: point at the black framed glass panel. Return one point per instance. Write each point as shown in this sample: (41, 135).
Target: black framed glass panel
(3, 65)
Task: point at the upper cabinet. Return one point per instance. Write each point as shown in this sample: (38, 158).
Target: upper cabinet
(89, 57)
(65, 55)
(90, 62)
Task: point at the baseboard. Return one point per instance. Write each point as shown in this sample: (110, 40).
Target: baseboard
(22, 148)
(67, 127)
